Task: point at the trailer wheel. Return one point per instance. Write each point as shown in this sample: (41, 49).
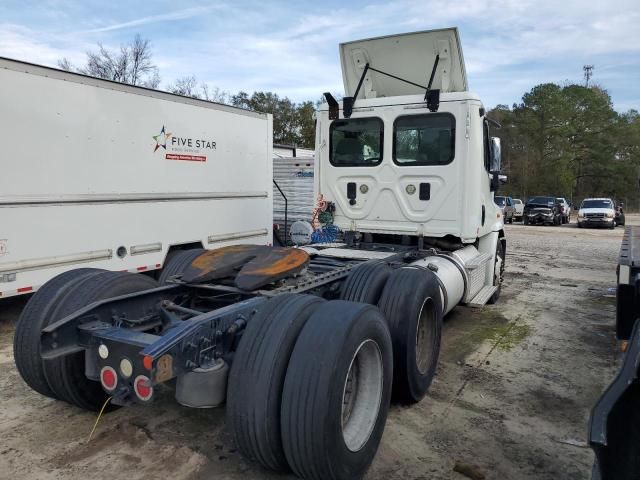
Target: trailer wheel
(257, 377)
(34, 317)
(66, 375)
(365, 282)
(412, 304)
(177, 262)
(336, 392)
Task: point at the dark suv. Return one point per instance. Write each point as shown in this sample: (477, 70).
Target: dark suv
(542, 210)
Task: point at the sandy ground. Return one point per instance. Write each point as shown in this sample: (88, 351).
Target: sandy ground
(512, 394)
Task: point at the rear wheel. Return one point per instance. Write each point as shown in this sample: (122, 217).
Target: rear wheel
(336, 392)
(177, 262)
(66, 375)
(365, 282)
(257, 377)
(412, 304)
(34, 317)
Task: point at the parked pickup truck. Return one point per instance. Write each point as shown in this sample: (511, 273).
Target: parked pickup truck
(542, 210)
(597, 212)
(519, 206)
(508, 208)
(565, 208)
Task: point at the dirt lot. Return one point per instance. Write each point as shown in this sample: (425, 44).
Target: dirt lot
(512, 395)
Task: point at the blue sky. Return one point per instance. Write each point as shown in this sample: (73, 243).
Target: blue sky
(292, 47)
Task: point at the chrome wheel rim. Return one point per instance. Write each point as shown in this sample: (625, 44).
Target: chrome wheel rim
(424, 337)
(362, 395)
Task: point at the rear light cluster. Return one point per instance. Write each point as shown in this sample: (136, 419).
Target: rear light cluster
(109, 377)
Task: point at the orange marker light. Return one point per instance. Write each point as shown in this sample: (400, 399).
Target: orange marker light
(147, 362)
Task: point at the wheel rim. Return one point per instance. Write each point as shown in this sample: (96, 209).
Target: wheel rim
(362, 395)
(425, 337)
(497, 274)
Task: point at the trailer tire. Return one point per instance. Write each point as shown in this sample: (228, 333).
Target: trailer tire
(365, 283)
(336, 392)
(412, 304)
(177, 262)
(34, 317)
(257, 377)
(66, 375)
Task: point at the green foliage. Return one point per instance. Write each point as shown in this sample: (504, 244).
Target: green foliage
(569, 141)
(292, 124)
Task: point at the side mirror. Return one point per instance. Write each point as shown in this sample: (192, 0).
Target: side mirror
(496, 155)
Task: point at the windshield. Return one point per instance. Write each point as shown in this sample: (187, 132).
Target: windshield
(356, 142)
(424, 139)
(500, 201)
(549, 201)
(596, 204)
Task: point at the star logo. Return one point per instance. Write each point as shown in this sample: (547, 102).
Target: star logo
(161, 139)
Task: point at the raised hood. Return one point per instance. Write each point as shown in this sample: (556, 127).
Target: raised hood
(409, 56)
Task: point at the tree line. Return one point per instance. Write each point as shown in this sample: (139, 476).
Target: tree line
(568, 141)
(561, 140)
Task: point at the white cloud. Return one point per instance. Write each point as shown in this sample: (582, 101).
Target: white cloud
(293, 48)
(22, 43)
(162, 17)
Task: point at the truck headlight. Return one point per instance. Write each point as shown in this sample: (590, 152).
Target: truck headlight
(580, 215)
(610, 215)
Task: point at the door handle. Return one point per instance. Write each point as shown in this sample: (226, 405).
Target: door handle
(351, 192)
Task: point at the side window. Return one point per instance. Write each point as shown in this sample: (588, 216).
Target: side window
(424, 139)
(356, 142)
(487, 146)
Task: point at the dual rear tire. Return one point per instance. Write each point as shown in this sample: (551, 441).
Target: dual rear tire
(311, 380)
(64, 377)
(310, 385)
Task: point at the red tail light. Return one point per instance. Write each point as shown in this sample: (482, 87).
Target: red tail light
(108, 378)
(143, 388)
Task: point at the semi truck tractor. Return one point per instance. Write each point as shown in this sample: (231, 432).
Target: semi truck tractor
(308, 345)
(104, 175)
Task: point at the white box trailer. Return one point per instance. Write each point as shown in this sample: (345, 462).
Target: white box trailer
(99, 174)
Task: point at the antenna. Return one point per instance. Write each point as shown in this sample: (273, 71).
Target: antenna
(588, 73)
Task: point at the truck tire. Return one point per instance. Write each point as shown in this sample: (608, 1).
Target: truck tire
(412, 304)
(257, 377)
(34, 317)
(365, 282)
(65, 375)
(336, 392)
(177, 262)
(498, 273)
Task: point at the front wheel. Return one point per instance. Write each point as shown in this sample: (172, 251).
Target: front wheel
(498, 274)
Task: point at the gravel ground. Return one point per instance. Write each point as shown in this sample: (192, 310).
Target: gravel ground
(511, 398)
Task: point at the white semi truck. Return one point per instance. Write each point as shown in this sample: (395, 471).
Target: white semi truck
(307, 346)
(99, 174)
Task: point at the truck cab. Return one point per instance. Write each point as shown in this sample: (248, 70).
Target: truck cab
(396, 164)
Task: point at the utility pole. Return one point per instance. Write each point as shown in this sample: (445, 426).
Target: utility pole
(588, 73)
